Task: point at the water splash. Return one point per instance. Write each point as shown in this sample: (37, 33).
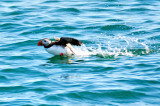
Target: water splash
(82, 51)
(110, 46)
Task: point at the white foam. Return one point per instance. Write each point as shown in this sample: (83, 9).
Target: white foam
(81, 51)
(115, 46)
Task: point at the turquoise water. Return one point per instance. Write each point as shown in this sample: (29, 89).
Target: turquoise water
(123, 35)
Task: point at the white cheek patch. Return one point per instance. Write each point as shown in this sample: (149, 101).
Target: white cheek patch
(47, 42)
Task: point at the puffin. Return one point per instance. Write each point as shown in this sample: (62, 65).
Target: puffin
(61, 46)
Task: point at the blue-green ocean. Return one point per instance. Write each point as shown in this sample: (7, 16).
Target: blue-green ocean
(123, 35)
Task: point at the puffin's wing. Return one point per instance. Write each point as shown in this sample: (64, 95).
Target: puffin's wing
(57, 39)
(72, 41)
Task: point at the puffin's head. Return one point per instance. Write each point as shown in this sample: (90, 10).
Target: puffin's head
(44, 42)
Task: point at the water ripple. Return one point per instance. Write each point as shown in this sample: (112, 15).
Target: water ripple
(122, 36)
(68, 10)
(116, 27)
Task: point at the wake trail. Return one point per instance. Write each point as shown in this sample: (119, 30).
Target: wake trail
(114, 46)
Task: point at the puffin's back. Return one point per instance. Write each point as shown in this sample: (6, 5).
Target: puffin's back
(64, 40)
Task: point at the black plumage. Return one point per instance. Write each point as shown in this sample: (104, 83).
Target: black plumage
(65, 40)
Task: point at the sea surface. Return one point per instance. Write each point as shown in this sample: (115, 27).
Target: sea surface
(122, 35)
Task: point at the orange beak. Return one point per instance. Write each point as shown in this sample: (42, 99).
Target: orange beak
(40, 43)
